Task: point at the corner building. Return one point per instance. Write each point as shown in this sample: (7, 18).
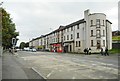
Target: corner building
(93, 31)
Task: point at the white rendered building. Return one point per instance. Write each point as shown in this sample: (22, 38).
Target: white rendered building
(93, 31)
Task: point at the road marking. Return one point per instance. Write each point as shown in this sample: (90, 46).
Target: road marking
(38, 73)
(50, 73)
(73, 77)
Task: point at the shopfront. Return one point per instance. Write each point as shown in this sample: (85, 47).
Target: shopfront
(56, 48)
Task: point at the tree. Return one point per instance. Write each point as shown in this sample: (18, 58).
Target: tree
(27, 44)
(22, 45)
(8, 30)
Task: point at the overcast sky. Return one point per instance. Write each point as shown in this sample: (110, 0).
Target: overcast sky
(38, 17)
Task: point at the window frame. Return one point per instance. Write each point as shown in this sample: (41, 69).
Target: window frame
(78, 35)
(92, 43)
(91, 32)
(78, 26)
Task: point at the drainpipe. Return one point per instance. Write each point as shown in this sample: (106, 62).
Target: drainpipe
(106, 36)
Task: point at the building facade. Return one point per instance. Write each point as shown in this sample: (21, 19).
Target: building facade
(94, 31)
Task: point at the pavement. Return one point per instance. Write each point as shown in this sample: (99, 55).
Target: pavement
(71, 66)
(0, 63)
(0, 68)
(13, 69)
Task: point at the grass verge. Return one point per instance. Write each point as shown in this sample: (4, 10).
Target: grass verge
(114, 51)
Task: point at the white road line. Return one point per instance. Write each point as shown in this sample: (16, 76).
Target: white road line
(50, 73)
(38, 73)
(73, 77)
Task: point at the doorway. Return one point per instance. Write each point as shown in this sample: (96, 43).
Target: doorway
(66, 49)
(98, 44)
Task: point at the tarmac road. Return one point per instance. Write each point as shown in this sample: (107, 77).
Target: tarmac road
(70, 66)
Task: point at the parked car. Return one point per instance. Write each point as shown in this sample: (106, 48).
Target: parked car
(33, 50)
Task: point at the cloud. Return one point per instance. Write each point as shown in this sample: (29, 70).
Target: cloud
(35, 17)
(112, 15)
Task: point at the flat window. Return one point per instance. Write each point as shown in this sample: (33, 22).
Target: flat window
(64, 37)
(91, 22)
(103, 22)
(71, 28)
(98, 33)
(103, 42)
(76, 43)
(98, 21)
(68, 30)
(71, 36)
(56, 39)
(91, 42)
(91, 32)
(103, 32)
(78, 26)
(64, 30)
(67, 37)
(77, 35)
(79, 43)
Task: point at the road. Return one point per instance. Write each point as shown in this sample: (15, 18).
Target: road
(13, 69)
(70, 66)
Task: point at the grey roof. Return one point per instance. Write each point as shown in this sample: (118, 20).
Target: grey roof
(109, 21)
(75, 23)
(61, 28)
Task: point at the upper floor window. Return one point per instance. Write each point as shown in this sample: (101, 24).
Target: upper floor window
(91, 22)
(64, 37)
(79, 44)
(56, 39)
(91, 42)
(77, 35)
(98, 21)
(67, 37)
(91, 32)
(64, 30)
(71, 36)
(98, 33)
(103, 32)
(71, 28)
(61, 38)
(78, 26)
(103, 22)
(67, 29)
